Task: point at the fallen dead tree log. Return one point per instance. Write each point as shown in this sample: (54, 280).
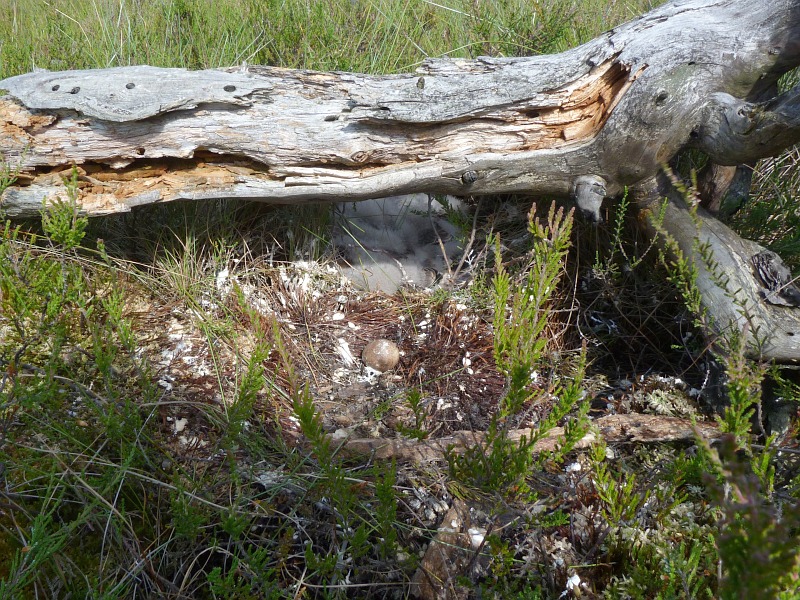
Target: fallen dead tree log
(586, 123)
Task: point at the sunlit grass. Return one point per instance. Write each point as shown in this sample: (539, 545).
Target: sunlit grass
(373, 36)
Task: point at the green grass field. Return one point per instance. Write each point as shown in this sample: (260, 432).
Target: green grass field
(358, 35)
(170, 379)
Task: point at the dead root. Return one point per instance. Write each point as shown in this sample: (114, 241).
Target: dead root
(613, 429)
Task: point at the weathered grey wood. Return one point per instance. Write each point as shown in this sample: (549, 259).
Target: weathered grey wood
(586, 123)
(131, 94)
(615, 109)
(735, 300)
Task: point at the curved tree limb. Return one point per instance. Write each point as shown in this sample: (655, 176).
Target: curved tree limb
(735, 131)
(735, 298)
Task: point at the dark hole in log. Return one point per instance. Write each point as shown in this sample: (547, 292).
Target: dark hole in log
(229, 88)
(469, 177)
(130, 86)
(75, 90)
(55, 87)
(140, 151)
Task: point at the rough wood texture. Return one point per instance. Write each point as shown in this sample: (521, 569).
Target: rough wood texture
(301, 136)
(614, 429)
(737, 299)
(586, 123)
(615, 108)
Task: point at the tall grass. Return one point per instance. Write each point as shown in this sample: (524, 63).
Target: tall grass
(372, 36)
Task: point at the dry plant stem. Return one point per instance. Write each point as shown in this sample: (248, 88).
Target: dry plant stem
(612, 428)
(468, 247)
(689, 73)
(35, 371)
(770, 332)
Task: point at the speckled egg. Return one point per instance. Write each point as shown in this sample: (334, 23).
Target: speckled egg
(381, 355)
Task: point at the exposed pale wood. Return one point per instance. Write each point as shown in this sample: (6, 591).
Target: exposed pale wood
(612, 428)
(586, 123)
(615, 108)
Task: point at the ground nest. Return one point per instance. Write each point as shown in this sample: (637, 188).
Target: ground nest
(646, 378)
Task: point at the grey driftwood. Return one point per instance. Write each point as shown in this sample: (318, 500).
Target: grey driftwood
(586, 123)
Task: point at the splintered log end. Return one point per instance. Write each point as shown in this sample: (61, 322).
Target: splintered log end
(713, 183)
(724, 189)
(778, 286)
